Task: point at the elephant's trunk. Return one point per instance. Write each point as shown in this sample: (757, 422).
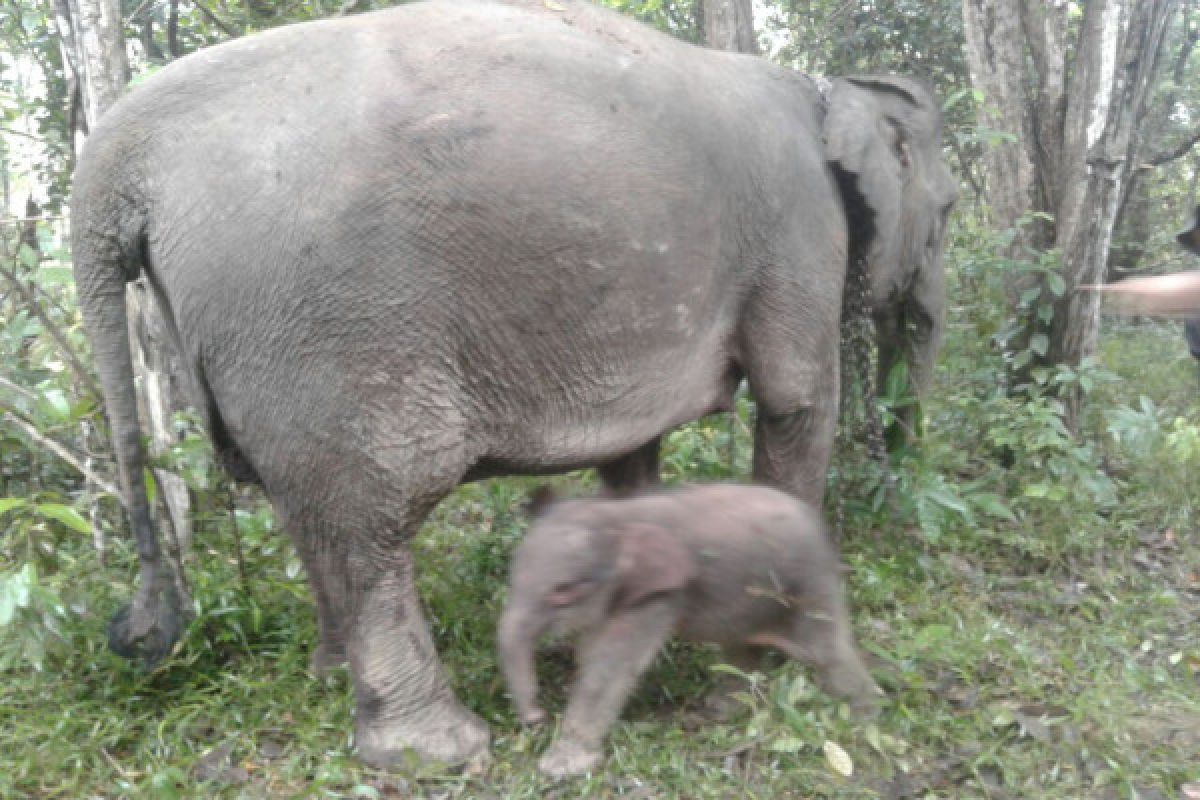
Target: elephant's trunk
(518, 633)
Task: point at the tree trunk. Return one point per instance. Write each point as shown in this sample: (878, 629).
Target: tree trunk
(729, 25)
(1115, 61)
(1075, 122)
(996, 59)
(93, 46)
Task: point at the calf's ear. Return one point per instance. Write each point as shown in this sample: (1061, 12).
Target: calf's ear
(650, 561)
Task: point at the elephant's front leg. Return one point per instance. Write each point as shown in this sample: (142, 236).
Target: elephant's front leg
(611, 659)
(790, 349)
(792, 445)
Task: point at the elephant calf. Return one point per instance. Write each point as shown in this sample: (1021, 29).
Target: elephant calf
(745, 567)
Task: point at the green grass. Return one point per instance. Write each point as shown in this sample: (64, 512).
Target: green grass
(1051, 651)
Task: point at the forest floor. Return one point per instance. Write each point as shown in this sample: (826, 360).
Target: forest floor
(1021, 657)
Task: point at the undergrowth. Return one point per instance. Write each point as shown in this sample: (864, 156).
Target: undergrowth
(1027, 598)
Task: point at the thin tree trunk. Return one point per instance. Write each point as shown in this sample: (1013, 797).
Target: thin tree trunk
(729, 25)
(1115, 62)
(91, 30)
(1076, 132)
(996, 58)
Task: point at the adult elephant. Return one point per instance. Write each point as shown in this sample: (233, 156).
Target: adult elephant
(454, 240)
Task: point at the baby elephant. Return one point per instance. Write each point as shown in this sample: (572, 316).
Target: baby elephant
(745, 567)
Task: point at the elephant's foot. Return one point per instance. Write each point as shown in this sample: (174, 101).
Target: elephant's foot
(569, 757)
(326, 659)
(447, 733)
(148, 628)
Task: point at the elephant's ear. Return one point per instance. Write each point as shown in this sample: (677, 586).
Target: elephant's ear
(651, 560)
(870, 148)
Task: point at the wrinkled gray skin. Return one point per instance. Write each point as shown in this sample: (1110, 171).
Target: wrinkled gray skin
(745, 567)
(453, 240)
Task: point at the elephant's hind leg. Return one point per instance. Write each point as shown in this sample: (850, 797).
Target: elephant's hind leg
(362, 575)
(330, 652)
(402, 697)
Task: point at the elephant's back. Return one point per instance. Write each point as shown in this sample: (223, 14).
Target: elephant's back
(545, 212)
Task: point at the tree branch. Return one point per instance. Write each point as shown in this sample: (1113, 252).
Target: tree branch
(134, 14)
(30, 430)
(1185, 50)
(215, 20)
(1180, 151)
(16, 388)
(12, 132)
(173, 30)
(81, 372)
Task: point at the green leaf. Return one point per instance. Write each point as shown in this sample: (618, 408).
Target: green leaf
(946, 499)
(1039, 343)
(53, 276)
(873, 739)
(28, 256)
(897, 382)
(8, 606)
(66, 515)
(56, 402)
(993, 505)
(728, 669)
(794, 719)
(787, 744)
(9, 503)
(151, 486)
(933, 635)
(1056, 284)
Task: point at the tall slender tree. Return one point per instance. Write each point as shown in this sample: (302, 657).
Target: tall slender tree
(1070, 82)
(729, 25)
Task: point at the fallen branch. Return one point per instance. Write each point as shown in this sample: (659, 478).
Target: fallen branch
(58, 449)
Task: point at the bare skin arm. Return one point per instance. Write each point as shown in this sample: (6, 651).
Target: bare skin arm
(1168, 295)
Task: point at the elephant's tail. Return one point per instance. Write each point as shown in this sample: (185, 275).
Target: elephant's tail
(108, 225)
